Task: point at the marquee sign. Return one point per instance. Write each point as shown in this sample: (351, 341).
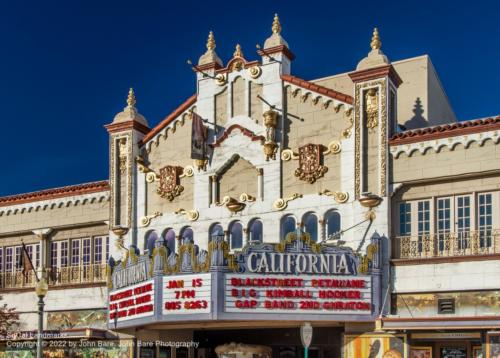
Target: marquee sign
(311, 295)
(187, 294)
(297, 279)
(133, 302)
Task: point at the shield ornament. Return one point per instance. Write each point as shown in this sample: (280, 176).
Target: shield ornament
(310, 168)
(169, 186)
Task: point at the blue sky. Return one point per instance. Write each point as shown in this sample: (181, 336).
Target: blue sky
(66, 66)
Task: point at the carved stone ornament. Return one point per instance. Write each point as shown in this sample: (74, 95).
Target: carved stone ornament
(310, 168)
(371, 108)
(122, 154)
(254, 71)
(169, 186)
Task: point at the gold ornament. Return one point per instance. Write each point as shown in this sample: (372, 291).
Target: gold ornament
(211, 41)
(131, 101)
(371, 108)
(232, 204)
(376, 44)
(237, 51)
(282, 203)
(146, 220)
(255, 71)
(192, 215)
(276, 28)
(339, 196)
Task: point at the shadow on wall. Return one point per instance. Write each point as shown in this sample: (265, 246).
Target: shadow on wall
(418, 120)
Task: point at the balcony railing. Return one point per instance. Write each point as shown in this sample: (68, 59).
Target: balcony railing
(56, 276)
(466, 243)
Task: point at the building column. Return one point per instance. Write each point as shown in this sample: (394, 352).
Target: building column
(260, 183)
(214, 188)
(43, 236)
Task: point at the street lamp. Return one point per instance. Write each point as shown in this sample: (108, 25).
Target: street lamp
(41, 289)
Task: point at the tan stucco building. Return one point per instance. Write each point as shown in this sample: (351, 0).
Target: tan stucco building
(369, 166)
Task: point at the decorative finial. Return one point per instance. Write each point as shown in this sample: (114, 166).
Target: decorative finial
(131, 98)
(211, 41)
(276, 25)
(237, 51)
(376, 44)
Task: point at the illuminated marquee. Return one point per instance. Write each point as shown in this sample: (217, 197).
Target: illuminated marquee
(187, 294)
(307, 294)
(296, 279)
(135, 301)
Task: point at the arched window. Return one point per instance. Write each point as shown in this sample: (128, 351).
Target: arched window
(288, 224)
(215, 229)
(169, 237)
(332, 222)
(310, 222)
(236, 235)
(255, 231)
(149, 242)
(187, 235)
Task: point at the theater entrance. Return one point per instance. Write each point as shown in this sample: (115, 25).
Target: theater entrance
(282, 342)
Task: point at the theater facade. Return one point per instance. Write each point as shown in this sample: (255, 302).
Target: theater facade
(356, 203)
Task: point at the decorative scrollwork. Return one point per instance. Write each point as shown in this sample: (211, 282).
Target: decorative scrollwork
(247, 197)
(188, 171)
(146, 220)
(282, 203)
(221, 79)
(152, 177)
(192, 215)
(334, 147)
(339, 196)
(288, 154)
(255, 71)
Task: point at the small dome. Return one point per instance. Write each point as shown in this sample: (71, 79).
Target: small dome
(210, 56)
(130, 113)
(376, 57)
(275, 39)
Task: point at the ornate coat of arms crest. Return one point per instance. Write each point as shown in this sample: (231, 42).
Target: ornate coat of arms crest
(310, 168)
(169, 186)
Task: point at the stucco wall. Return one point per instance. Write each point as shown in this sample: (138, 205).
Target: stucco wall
(422, 100)
(63, 214)
(310, 123)
(240, 178)
(446, 162)
(173, 150)
(457, 276)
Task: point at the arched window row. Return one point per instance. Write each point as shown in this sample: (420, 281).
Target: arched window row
(236, 234)
(319, 229)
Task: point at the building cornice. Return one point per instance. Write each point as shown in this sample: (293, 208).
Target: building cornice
(123, 126)
(169, 119)
(55, 193)
(277, 49)
(446, 131)
(318, 89)
(377, 72)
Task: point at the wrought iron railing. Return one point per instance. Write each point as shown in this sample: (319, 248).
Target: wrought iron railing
(57, 276)
(465, 243)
